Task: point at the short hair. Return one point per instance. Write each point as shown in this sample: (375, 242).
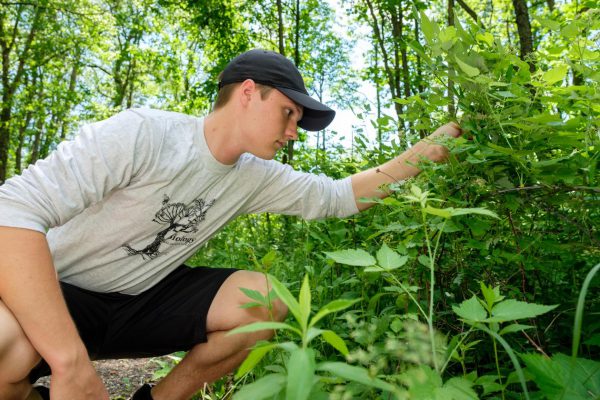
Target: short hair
(226, 91)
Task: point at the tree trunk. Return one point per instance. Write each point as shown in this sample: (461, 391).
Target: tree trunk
(524, 29)
(451, 106)
(280, 27)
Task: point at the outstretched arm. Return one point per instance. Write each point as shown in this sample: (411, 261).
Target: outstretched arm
(366, 184)
(29, 288)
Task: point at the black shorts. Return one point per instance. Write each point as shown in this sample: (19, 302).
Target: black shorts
(169, 317)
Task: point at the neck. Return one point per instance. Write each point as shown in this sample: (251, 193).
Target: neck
(223, 135)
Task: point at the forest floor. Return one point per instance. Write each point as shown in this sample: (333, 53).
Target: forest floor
(122, 377)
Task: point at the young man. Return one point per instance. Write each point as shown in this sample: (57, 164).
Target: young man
(117, 211)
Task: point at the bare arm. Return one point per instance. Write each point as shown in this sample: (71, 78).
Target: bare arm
(30, 289)
(366, 184)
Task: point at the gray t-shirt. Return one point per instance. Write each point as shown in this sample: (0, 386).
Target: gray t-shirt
(132, 197)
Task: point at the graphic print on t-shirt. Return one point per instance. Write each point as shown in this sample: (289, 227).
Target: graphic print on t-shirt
(180, 219)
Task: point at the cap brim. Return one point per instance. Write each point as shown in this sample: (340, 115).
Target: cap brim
(316, 115)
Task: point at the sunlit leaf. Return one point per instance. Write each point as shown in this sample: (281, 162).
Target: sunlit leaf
(337, 342)
(556, 74)
(355, 257)
(466, 68)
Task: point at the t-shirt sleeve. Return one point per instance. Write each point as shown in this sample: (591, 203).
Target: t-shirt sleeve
(286, 191)
(79, 173)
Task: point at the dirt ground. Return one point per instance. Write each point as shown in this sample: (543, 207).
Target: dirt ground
(122, 377)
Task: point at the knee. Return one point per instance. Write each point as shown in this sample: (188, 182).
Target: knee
(17, 354)
(275, 309)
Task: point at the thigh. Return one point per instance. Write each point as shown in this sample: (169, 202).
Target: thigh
(169, 317)
(226, 311)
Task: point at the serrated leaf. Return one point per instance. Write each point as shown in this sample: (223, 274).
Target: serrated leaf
(263, 388)
(457, 389)
(510, 310)
(471, 310)
(389, 259)
(337, 342)
(355, 257)
(466, 68)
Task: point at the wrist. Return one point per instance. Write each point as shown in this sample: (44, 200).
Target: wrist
(427, 149)
(69, 360)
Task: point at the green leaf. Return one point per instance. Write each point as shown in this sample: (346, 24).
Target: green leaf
(284, 294)
(301, 368)
(355, 374)
(358, 257)
(337, 342)
(430, 29)
(467, 69)
(444, 213)
(304, 302)
(486, 37)
(253, 358)
(474, 210)
(263, 388)
(388, 259)
(261, 326)
(334, 306)
(424, 260)
(471, 310)
(555, 74)
(254, 295)
(514, 328)
(562, 377)
(457, 389)
(510, 310)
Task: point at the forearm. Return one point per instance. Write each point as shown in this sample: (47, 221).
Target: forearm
(29, 288)
(367, 184)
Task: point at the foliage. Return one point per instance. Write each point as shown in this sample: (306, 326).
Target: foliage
(464, 282)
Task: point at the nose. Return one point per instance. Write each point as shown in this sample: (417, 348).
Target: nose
(291, 131)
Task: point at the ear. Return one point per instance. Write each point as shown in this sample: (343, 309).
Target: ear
(247, 89)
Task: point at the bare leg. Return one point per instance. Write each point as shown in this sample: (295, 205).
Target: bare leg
(17, 358)
(221, 354)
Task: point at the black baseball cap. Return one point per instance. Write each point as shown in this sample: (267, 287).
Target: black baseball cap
(273, 69)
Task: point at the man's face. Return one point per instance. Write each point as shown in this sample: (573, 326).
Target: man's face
(273, 121)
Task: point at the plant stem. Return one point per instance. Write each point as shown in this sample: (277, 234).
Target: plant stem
(431, 293)
(498, 365)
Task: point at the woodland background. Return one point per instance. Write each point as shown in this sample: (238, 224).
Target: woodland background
(467, 282)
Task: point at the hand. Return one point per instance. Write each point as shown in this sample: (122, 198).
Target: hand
(78, 383)
(436, 152)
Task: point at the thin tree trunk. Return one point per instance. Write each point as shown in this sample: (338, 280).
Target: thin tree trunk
(524, 29)
(451, 106)
(280, 27)
(469, 11)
